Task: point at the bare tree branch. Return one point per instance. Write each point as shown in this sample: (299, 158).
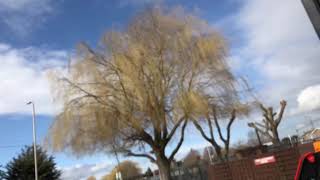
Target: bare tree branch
(130, 153)
(174, 129)
(210, 126)
(283, 104)
(174, 152)
(218, 126)
(203, 134)
(84, 91)
(262, 131)
(231, 120)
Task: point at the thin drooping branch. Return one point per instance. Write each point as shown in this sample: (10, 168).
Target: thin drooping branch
(88, 94)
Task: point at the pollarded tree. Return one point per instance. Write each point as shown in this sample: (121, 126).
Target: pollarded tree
(22, 167)
(270, 122)
(140, 87)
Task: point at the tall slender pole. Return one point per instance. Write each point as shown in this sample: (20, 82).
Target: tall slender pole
(34, 140)
(118, 173)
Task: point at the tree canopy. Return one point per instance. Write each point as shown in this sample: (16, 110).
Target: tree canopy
(148, 173)
(141, 86)
(2, 173)
(91, 178)
(22, 166)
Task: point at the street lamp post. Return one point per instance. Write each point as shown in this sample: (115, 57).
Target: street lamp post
(34, 140)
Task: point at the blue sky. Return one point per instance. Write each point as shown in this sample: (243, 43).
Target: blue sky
(272, 43)
(68, 22)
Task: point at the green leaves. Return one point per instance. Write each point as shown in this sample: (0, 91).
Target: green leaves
(2, 173)
(22, 167)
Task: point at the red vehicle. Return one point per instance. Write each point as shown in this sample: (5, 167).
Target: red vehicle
(309, 167)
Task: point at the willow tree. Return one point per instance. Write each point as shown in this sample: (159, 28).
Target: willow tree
(136, 92)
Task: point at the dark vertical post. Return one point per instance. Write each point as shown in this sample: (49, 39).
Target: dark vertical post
(313, 10)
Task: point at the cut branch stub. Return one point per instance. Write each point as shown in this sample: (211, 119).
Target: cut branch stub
(270, 122)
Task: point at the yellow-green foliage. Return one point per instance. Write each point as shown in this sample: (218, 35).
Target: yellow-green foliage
(128, 169)
(91, 178)
(165, 65)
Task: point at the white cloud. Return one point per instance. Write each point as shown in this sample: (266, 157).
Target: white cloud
(15, 5)
(23, 16)
(23, 77)
(83, 171)
(281, 45)
(309, 98)
(271, 25)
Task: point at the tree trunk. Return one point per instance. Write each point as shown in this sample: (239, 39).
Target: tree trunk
(217, 148)
(276, 139)
(164, 168)
(226, 156)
